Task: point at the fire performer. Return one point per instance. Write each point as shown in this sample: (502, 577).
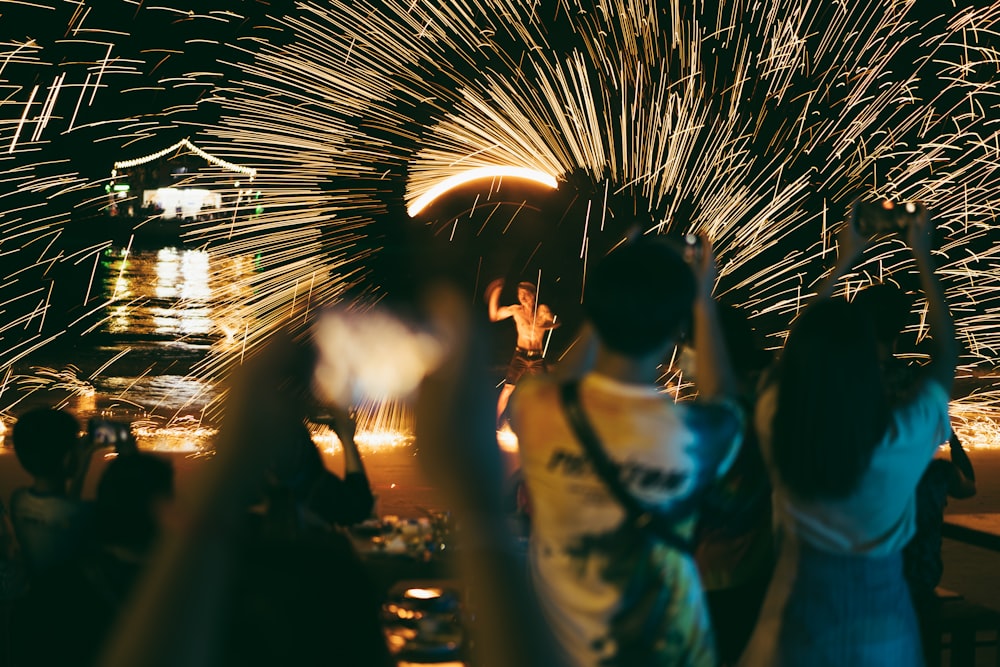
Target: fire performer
(532, 320)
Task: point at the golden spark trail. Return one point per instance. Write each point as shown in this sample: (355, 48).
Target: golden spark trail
(756, 124)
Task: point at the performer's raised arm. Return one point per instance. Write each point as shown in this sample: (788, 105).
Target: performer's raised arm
(497, 312)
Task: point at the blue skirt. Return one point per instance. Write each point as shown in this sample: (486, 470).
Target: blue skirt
(848, 610)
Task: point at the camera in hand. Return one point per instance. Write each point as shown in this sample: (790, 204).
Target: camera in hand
(687, 244)
(692, 248)
(885, 216)
(108, 432)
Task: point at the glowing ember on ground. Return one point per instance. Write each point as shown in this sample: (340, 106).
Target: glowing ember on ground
(179, 437)
(366, 440)
(977, 423)
(979, 434)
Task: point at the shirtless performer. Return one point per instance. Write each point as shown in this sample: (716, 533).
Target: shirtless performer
(532, 321)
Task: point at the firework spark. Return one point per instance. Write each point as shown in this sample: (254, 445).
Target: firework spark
(754, 124)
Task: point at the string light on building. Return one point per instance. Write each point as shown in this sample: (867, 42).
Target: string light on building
(184, 143)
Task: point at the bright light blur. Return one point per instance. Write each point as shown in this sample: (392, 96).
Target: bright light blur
(184, 435)
(183, 277)
(452, 182)
(177, 292)
(182, 202)
(507, 439)
(371, 355)
(422, 593)
(328, 441)
(979, 434)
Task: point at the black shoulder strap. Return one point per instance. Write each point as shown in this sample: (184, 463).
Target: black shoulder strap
(644, 518)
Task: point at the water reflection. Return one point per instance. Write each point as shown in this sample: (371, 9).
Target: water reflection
(170, 292)
(167, 309)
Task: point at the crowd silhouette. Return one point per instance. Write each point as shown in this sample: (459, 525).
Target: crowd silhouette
(788, 514)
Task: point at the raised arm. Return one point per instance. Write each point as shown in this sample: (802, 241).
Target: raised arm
(715, 373)
(580, 357)
(342, 423)
(341, 501)
(497, 312)
(457, 447)
(850, 244)
(944, 356)
(963, 482)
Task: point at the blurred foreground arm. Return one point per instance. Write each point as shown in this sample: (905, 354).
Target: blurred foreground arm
(944, 357)
(497, 312)
(457, 447)
(715, 373)
(340, 501)
(850, 244)
(175, 616)
(963, 485)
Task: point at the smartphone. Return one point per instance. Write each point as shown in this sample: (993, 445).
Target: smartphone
(692, 249)
(885, 216)
(372, 354)
(108, 432)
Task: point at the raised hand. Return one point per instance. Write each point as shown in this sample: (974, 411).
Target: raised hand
(493, 288)
(706, 270)
(920, 234)
(850, 241)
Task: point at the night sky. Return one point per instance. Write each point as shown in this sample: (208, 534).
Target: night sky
(195, 69)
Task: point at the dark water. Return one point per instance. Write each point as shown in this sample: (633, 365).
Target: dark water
(165, 310)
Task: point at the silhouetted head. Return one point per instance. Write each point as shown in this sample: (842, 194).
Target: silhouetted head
(130, 497)
(747, 356)
(832, 409)
(44, 440)
(889, 308)
(639, 297)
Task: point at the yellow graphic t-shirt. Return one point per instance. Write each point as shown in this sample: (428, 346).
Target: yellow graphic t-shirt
(610, 597)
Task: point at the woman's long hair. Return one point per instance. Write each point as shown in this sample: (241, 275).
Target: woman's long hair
(832, 409)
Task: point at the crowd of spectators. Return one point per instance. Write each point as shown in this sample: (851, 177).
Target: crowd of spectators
(788, 515)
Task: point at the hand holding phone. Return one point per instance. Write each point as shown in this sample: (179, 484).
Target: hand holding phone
(341, 421)
(106, 432)
(885, 216)
(693, 249)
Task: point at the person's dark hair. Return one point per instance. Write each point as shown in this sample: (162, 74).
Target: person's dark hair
(127, 495)
(888, 307)
(746, 354)
(832, 409)
(43, 440)
(640, 296)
